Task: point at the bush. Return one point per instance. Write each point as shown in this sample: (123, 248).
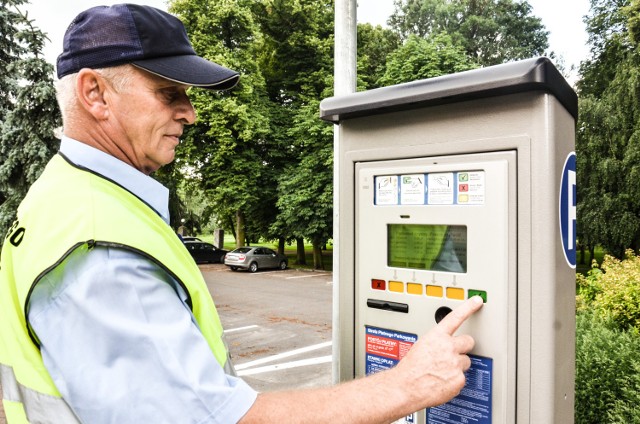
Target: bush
(613, 292)
(607, 372)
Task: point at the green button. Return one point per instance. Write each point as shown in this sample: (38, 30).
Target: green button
(481, 293)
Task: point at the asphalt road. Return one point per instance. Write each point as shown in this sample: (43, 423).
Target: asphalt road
(277, 324)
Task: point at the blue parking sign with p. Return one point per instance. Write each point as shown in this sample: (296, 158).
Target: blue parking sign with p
(568, 209)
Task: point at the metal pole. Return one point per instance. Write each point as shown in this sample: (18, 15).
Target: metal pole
(345, 47)
(344, 83)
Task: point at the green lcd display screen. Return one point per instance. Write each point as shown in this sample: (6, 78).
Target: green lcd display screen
(427, 247)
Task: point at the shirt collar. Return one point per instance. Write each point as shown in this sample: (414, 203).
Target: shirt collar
(146, 188)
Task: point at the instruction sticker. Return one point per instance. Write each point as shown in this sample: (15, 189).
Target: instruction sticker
(412, 189)
(440, 189)
(386, 190)
(473, 404)
(470, 188)
(384, 349)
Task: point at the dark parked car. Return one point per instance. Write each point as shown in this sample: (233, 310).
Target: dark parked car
(205, 252)
(190, 238)
(254, 258)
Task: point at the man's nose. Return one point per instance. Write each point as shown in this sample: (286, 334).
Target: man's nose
(186, 112)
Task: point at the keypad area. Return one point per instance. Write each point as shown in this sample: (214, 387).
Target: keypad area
(429, 290)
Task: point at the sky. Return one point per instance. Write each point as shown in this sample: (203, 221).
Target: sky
(563, 20)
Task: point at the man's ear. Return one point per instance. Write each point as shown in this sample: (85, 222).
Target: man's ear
(91, 90)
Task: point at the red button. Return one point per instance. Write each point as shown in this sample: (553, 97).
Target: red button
(378, 284)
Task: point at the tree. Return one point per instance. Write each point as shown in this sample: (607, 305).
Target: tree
(608, 136)
(375, 45)
(421, 58)
(29, 112)
(491, 31)
(305, 192)
(609, 45)
(298, 67)
(298, 47)
(228, 150)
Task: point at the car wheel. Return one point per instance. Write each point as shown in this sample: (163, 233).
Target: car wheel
(253, 267)
(283, 265)
(234, 268)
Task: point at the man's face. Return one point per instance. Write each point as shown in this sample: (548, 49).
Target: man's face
(147, 119)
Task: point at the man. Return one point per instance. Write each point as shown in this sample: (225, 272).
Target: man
(105, 318)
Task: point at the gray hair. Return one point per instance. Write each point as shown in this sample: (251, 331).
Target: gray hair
(118, 76)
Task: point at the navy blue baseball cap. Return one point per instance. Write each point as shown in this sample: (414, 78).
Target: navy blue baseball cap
(143, 36)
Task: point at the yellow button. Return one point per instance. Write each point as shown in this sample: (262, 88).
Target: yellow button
(414, 288)
(455, 293)
(396, 286)
(434, 291)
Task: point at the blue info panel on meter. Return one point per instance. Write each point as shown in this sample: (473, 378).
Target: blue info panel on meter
(473, 404)
(385, 348)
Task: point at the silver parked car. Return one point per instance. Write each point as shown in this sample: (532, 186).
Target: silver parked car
(254, 258)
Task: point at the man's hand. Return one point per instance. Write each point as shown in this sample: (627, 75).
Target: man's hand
(430, 374)
(434, 367)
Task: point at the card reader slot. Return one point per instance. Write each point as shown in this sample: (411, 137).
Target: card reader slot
(385, 305)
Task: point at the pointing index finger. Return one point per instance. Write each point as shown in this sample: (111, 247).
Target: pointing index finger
(455, 318)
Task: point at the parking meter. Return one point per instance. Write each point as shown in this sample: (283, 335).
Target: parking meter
(451, 187)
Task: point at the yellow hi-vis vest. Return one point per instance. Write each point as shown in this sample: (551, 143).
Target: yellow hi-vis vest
(67, 209)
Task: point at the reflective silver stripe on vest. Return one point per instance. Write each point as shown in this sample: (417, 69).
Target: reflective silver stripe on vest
(39, 407)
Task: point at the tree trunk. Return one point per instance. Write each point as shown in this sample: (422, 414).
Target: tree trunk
(317, 256)
(233, 229)
(240, 228)
(301, 257)
(281, 242)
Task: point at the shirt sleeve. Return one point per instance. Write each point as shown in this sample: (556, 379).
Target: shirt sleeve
(122, 346)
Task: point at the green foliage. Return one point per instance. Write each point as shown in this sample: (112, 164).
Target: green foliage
(305, 195)
(375, 45)
(613, 292)
(421, 58)
(632, 12)
(28, 109)
(607, 342)
(245, 139)
(298, 67)
(298, 47)
(609, 45)
(607, 372)
(491, 31)
(228, 152)
(608, 134)
(259, 152)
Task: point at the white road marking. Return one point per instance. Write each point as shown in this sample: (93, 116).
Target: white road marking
(233, 330)
(300, 276)
(282, 356)
(287, 365)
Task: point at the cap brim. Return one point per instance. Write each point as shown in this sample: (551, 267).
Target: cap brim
(191, 70)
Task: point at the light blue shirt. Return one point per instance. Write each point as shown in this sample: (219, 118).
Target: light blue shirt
(117, 337)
